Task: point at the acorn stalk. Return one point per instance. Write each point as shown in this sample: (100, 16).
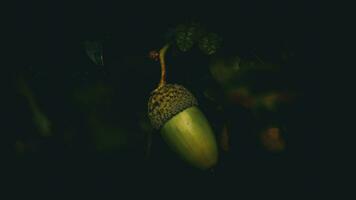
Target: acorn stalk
(174, 111)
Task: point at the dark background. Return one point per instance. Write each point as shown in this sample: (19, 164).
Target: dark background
(49, 37)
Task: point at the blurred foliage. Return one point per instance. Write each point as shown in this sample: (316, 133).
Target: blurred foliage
(224, 138)
(187, 35)
(234, 70)
(94, 50)
(106, 112)
(241, 86)
(272, 139)
(41, 121)
(224, 71)
(253, 68)
(210, 43)
(94, 97)
(107, 137)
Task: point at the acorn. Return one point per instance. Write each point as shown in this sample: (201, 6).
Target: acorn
(173, 110)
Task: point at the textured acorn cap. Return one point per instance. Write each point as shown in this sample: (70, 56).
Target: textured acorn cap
(167, 101)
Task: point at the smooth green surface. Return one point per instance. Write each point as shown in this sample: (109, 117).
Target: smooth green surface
(190, 135)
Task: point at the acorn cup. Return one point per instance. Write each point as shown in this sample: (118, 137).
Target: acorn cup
(174, 111)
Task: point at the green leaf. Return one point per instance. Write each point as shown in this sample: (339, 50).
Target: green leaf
(188, 35)
(210, 43)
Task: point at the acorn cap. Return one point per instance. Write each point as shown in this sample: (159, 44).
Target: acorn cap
(167, 101)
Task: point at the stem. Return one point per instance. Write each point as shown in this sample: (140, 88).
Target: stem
(162, 53)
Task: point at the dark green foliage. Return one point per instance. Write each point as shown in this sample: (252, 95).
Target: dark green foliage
(210, 43)
(188, 35)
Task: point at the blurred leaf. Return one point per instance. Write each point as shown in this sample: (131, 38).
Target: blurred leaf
(210, 43)
(190, 34)
(225, 139)
(187, 35)
(266, 100)
(106, 137)
(41, 121)
(272, 100)
(241, 96)
(272, 139)
(96, 95)
(224, 71)
(94, 50)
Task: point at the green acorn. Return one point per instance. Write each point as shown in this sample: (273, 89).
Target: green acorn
(174, 111)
